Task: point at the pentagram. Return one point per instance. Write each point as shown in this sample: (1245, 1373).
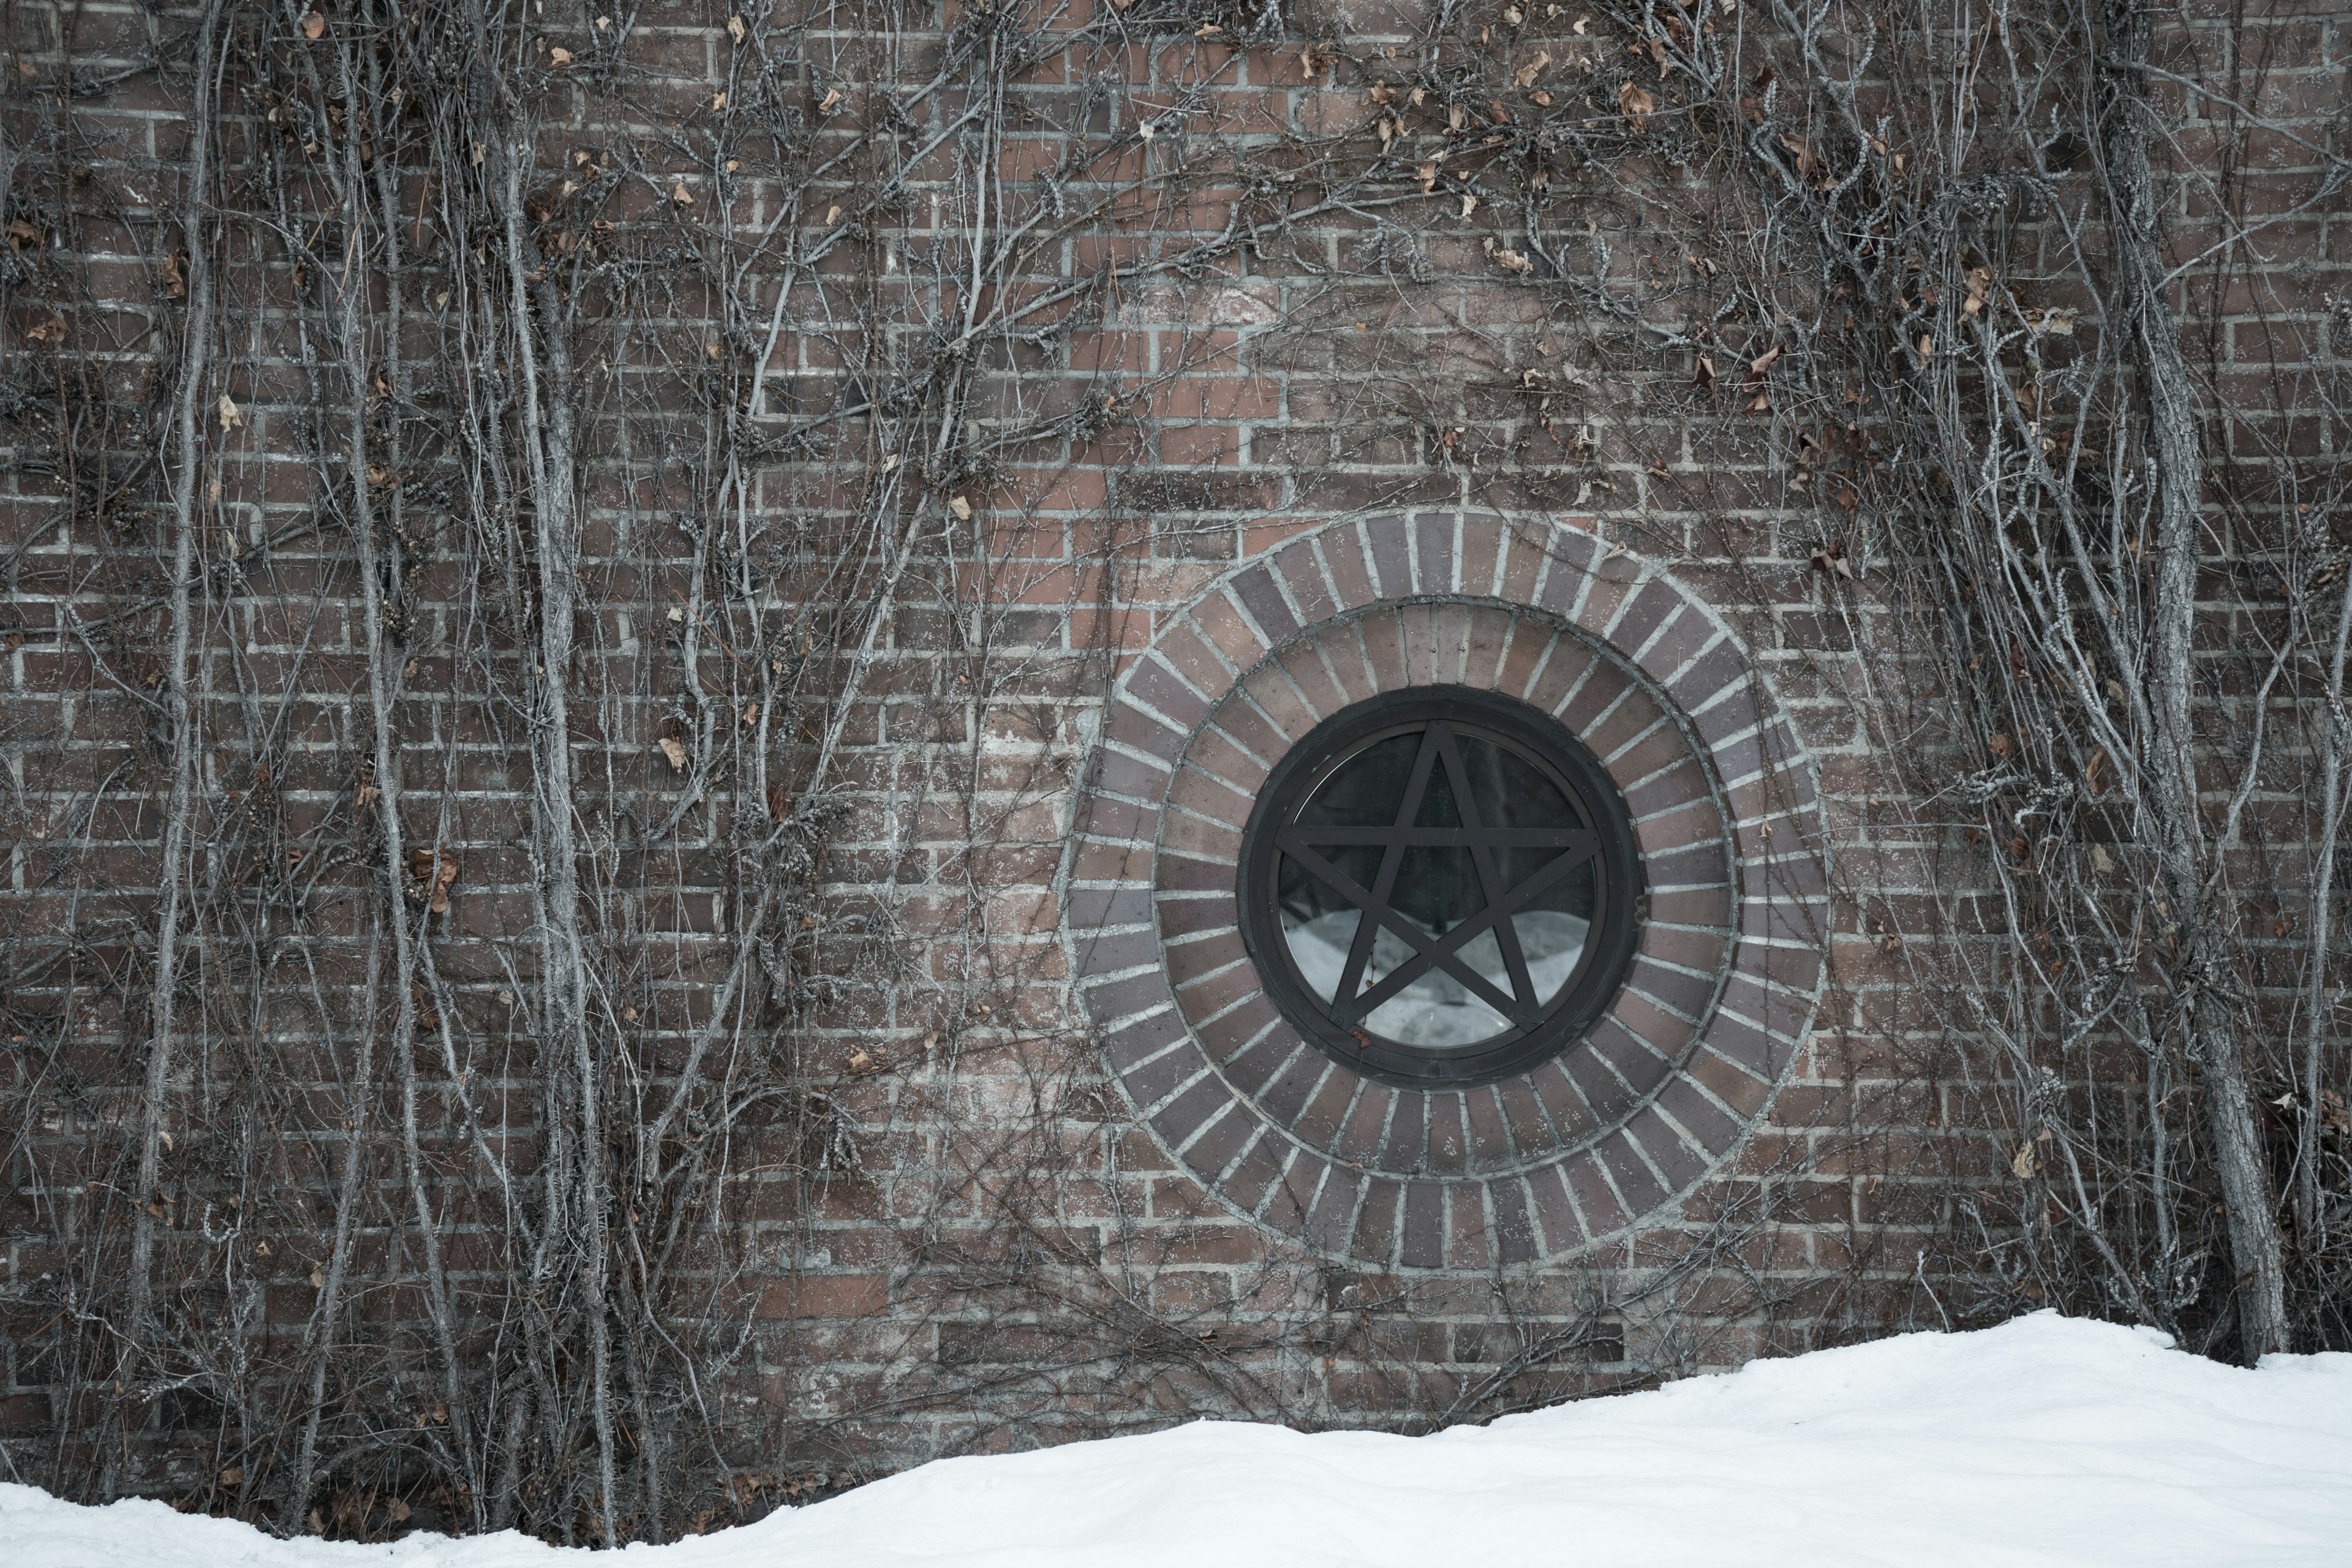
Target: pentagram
(1352, 1001)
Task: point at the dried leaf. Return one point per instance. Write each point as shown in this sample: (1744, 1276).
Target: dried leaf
(1927, 347)
(1979, 282)
(231, 415)
(681, 196)
(1428, 179)
(718, 101)
(1527, 74)
(1469, 203)
(2101, 858)
(1514, 260)
(50, 331)
(313, 25)
(232, 1476)
(674, 752)
(1996, 743)
(1635, 105)
(561, 57)
(1703, 374)
(736, 29)
(961, 507)
(832, 97)
(2026, 1163)
(434, 876)
(1761, 364)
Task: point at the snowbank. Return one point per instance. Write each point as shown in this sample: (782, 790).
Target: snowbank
(2045, 1441)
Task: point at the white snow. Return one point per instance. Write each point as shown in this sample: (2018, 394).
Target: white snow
(2045, 1441)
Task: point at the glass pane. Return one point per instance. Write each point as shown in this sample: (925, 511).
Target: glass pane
(1437, 887)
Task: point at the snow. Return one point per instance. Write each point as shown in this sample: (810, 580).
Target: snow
(2045, 1441)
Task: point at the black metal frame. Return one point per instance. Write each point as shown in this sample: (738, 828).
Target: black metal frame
(1607, 840)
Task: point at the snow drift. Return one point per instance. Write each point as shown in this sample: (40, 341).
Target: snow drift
(2045, 1441)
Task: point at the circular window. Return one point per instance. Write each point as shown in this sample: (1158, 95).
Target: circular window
(1440, 885)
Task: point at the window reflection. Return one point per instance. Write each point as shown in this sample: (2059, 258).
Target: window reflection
(1480, 784)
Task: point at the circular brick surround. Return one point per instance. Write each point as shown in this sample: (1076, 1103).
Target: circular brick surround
(1622, 1123)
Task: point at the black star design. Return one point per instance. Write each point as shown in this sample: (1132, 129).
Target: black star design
(1438, 744)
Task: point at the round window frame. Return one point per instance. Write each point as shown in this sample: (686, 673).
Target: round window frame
(1619, 910)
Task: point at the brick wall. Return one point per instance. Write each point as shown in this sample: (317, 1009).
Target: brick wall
(1000, 1241)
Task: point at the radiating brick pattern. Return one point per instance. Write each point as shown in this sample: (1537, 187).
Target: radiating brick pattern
(1656, 1095)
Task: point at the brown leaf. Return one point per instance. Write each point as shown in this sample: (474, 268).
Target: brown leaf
(780, 803)
(736, 29)
(1763, 362)
(1527, 74)
(1832, 559)
(674, 752)
(1635, 105)
(1514, 260)
(832, 97)
(432, 881)
(231, 415)
(2026, 1163)
(961, 507)
(313, 26)
(1703, 375)
(1979, 289)
(560, 55)
(1996, 743)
